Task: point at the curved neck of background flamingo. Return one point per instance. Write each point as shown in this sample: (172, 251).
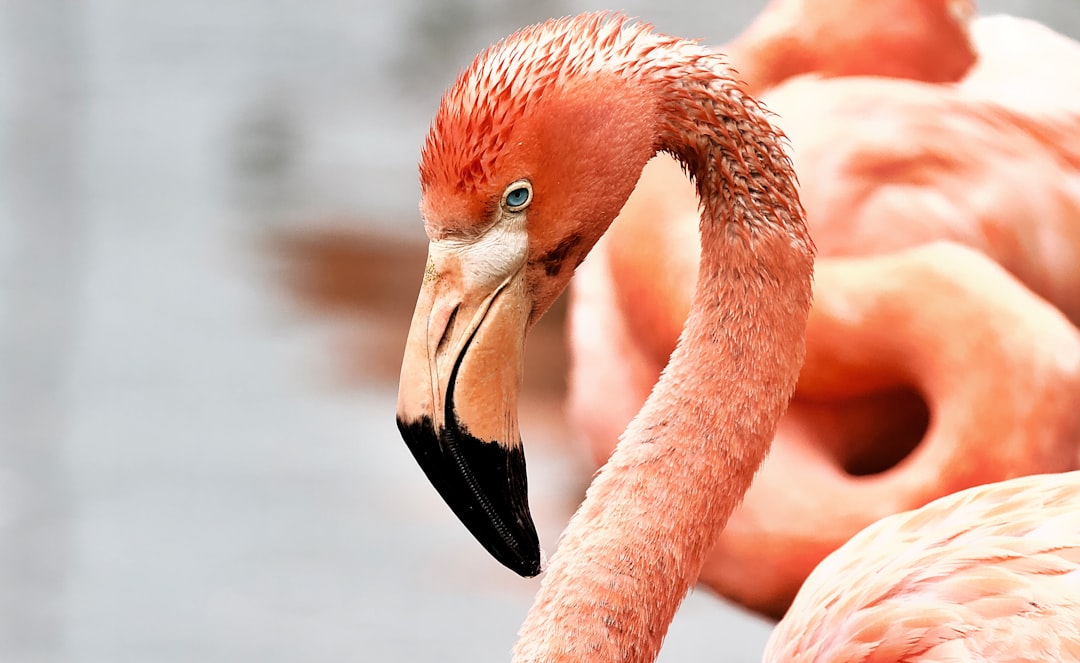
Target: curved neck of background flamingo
(772, 49)
(636, 545)
(763, 62)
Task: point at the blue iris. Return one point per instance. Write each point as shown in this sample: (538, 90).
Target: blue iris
(518, 197)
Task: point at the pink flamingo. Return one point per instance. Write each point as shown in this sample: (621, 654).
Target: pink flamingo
(988, 574)
(531, 155)
(884, 164)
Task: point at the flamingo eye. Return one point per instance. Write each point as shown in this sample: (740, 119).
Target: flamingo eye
(518, 196)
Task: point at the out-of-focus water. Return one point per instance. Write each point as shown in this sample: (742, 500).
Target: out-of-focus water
(185, 475)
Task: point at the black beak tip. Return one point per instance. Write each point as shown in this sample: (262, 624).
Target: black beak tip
(528, 566)
(484, 484)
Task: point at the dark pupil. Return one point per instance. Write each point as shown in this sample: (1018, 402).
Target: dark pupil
(517, 197)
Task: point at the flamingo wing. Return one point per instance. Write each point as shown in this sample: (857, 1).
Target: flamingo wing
(991, 573)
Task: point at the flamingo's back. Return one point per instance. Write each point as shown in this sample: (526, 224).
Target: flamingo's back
(988, 574)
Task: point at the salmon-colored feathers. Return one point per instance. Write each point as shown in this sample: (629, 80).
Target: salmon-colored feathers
(484, 133)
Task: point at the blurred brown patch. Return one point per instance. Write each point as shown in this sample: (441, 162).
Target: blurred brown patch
(367, 285)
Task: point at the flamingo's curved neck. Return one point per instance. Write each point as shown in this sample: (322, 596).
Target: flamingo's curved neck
(637, 543)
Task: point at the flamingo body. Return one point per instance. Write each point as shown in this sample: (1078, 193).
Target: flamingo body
(889, 164)
(991, 573)
(1022, 65)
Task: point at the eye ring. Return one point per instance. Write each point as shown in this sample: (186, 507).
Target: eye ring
(517, 196)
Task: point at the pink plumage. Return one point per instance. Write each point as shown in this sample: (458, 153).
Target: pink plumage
(986, 575)
(991, 573)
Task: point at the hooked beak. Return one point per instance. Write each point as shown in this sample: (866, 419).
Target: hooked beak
(457, 400)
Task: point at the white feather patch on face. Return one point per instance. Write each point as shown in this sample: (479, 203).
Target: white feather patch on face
(492, 257)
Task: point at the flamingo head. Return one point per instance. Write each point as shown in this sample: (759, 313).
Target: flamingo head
(531, 155)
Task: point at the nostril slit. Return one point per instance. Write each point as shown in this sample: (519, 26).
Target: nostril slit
(447, 331)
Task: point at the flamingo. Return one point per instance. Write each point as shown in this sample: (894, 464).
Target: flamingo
(530, 156)
(991, 573)
(884, 164)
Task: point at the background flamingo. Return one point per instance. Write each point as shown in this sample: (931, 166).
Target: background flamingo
(885, 164)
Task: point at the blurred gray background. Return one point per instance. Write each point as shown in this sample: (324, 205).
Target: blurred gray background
(197, 453)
